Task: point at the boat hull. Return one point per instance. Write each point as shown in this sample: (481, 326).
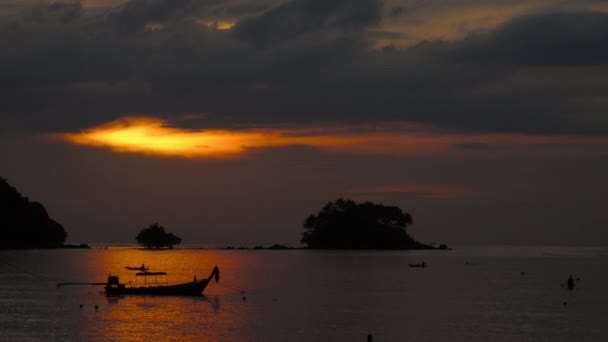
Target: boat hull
(185, 289)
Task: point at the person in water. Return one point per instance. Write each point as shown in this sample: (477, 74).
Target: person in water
(570, 283)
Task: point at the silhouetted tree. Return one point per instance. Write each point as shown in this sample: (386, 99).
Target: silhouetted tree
(344, 224)
(173, 240)
(25, 224)
(156, 236)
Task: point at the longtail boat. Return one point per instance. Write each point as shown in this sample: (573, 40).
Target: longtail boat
(194, 288)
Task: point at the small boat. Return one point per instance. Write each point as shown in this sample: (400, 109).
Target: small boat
(422, 264)
(194, 288)
(141, 268)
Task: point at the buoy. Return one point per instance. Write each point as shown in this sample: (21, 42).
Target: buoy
(96, 307)
(565, 303)
(370, 338)
(81, 306)
(244, 298)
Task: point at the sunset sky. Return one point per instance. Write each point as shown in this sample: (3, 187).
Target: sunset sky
(230, 121)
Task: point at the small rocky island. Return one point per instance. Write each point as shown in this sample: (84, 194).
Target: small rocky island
(26, 224)
(155, 236)
(344, 224)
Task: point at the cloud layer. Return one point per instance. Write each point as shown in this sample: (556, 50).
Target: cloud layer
(65, 67)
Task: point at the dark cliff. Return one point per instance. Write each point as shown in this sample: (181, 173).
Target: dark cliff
(25, 224)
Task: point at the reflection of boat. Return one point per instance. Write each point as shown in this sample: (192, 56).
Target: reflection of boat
(194, 288)
(422, 264)
(141, 268)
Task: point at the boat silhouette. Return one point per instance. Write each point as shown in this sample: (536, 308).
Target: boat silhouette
(422, 264)
(113, 287)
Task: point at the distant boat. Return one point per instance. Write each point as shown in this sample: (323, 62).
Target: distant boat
(141, 268)
(422, 264)
(194, 288)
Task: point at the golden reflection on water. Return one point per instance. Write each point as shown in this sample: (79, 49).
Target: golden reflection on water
(161, 318)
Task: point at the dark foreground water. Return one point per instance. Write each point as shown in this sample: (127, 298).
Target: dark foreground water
(469, 294)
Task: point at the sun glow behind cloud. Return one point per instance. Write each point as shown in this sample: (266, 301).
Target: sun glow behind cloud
(153, 136)
(221, 25)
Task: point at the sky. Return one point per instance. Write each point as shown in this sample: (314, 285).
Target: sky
(230, 121)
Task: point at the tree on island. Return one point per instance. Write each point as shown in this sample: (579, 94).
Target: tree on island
(344, 224)
(156, 236)
(26, 224)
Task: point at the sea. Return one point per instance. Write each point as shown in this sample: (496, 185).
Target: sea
(470, 293)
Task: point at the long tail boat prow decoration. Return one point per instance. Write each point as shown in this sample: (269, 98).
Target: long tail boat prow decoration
(194, 288)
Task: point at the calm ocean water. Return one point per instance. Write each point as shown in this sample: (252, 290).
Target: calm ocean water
(468, 294)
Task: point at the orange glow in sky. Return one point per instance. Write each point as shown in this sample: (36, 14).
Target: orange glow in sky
(153, 136)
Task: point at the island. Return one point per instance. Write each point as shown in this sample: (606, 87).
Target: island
(25, 224)
(344, 224)
(156, 236)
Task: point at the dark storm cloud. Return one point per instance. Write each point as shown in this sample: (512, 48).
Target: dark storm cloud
(240, 9)
(136, 13)
(549, 39)
(298, 62)
(298, 17)
(68, 11)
